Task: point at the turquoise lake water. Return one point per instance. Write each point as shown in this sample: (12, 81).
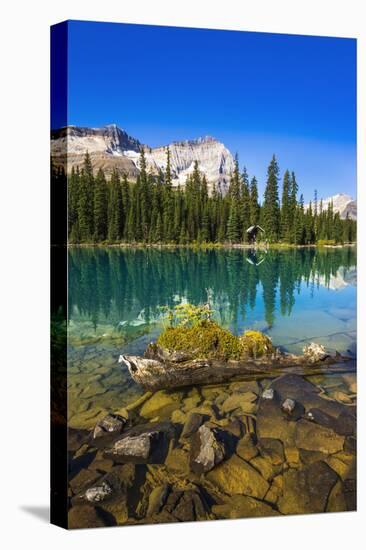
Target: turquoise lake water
(115, 297)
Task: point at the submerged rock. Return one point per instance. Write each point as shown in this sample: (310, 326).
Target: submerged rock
(239, 506)
(208, 449)
(315, 352)
(144, 444)
(184, 505)
(273, 449)
(99, 492)
(246, 447)
(235, 476)
(194, 421)
(288, 406)
(161, 403)
(84, 517)
(268, 393)
(306, 490)
(244, 401)
(178, 461)
(315, 423)
(157, 499)
(314, 437)
(112, 424)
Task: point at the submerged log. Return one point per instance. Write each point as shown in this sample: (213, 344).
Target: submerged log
(160, 369)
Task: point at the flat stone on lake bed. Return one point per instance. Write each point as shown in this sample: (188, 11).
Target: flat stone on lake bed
(314, 437)
(237, 477)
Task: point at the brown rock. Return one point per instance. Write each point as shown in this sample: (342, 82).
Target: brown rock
(264, 466)
(307, 490)
(336, 500)
(239, 506)
(194, 421)
(84, 517)
(237, 477)
(272, 449)
(313, 437)
(246, 447)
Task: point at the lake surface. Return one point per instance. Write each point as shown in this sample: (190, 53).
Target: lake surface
(115, 298)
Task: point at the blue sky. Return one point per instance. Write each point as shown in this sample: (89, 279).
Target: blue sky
(259, 93)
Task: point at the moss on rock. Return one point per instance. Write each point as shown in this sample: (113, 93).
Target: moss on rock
(208, 340)
(256, 344)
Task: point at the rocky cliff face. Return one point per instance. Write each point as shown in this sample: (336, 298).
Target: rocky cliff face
(106, 146)
(110, 147)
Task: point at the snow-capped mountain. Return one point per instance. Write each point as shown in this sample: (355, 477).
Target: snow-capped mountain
(342, 203)
(110, 147)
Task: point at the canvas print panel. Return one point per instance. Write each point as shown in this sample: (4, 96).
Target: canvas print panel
(210, 333)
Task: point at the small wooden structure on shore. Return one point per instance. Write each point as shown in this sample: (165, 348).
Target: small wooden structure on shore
(252, 233)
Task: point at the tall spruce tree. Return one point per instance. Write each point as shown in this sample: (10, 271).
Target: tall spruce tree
(168, 202)
(254, 204)
(286, 208)
(73, 191)
(100, 207)
(271, 207)
(85, 202)
(245, 205)
(115, 221)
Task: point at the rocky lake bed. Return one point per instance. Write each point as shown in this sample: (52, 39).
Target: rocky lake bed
(253, 447)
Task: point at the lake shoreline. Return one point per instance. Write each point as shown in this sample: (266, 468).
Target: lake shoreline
(208, 246)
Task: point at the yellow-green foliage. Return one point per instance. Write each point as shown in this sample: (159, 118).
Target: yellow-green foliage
(208, 340)
(256, 344)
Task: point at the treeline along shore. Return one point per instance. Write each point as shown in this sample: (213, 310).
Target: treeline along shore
(152, 211)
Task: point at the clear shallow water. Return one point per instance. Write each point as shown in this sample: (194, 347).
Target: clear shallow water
(295, 296)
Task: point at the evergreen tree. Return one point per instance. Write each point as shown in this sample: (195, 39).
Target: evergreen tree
(168, 202)
(245, 205)
(233, 225)
(115, 221)
(150, 210)
(294, 188)
(286, 208)
(271, 207)
(125, 192)
(100, 207)
(85, 203)
(254, 204)
(73, 205)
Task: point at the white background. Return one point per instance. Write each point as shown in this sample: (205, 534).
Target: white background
(24, 271)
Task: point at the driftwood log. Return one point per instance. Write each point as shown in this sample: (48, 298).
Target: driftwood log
(160, 369)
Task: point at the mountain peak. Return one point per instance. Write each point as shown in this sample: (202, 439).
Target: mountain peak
(196, 141)
(343, 203)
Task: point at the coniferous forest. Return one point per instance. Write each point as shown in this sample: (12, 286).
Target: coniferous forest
(152, 211)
